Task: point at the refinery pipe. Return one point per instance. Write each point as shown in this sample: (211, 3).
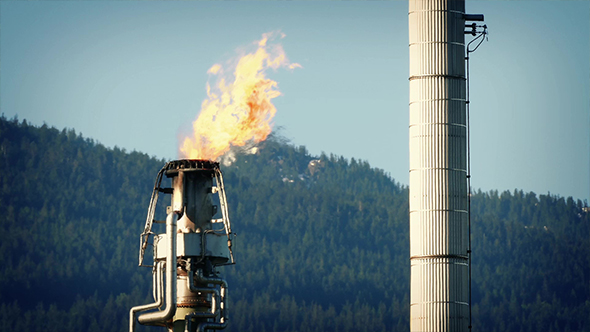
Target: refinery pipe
(166, 314)
(158, 297)
(193, 288)
(222, 303)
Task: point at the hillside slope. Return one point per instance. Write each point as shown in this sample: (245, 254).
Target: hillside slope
(322, 242)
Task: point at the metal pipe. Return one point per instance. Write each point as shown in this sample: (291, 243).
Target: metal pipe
(154, 282)
(222, 303)
(170, 309)
(160, 286)
(157, 282)
(193, 288)
(158, 297)
(188, 318)
(214, 291)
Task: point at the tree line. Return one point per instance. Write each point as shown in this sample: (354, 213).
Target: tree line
(322, 242)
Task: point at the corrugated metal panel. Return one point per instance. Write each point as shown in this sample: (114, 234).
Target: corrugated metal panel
(438, 184)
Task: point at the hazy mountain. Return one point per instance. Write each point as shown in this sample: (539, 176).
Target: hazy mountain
(322, 242)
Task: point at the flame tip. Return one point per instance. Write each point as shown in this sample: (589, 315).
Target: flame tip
(238, 112)
(214, 69)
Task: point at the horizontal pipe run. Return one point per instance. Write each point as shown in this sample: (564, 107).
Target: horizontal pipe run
(222, 303)
(212, 314)
(193, 288)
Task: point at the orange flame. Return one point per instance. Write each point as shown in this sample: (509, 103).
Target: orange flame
(239, 112)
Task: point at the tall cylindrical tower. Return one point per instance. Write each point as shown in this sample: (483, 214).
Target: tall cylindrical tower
(439, 235)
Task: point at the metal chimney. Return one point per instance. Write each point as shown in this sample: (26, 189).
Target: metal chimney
(439, 235)
(191, 297)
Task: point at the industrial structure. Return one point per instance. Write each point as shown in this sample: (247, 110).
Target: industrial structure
(188, 293)
(439, 209)
(190, 296)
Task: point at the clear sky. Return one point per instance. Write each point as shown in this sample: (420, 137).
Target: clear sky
(133, 74)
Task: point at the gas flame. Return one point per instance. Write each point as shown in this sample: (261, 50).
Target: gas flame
(238, 112)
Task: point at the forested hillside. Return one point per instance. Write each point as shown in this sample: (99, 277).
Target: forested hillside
(322, 242)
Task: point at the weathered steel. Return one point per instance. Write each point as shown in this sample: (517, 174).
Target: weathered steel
(191, 248)
(155, 317)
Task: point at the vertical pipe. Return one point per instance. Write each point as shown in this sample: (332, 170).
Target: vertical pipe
(157, 280)
(438, 187)
(222, 302)
(170, 309)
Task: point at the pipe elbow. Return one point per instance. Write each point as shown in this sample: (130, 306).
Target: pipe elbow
(158, 316)
(170, 309)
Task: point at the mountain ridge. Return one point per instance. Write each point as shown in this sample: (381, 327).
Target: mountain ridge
(321, 246)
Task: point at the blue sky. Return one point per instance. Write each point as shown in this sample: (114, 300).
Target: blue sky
(133, 74)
